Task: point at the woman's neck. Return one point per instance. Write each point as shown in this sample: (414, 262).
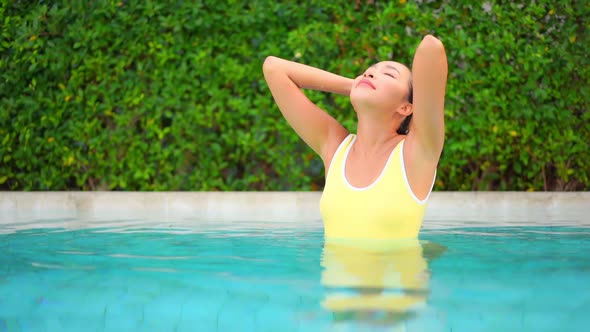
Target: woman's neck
(374, 134)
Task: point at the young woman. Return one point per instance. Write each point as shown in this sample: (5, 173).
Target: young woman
(377, 180)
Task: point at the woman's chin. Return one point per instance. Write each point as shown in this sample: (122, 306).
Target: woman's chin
(362, 100)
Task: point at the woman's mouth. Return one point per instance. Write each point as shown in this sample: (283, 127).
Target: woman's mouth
(367, 82)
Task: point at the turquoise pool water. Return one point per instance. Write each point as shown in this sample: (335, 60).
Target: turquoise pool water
(176, 279)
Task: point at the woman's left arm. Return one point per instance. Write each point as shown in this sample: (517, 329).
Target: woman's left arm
(429, 82)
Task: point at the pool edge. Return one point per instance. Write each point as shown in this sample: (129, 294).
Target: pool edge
(444, 208)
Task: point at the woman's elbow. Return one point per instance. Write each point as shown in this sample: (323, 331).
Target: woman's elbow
(432, 43)
(269, 64)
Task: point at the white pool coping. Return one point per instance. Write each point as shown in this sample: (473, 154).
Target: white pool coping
(277, 209)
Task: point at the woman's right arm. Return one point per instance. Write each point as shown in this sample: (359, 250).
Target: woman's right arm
(316, 127)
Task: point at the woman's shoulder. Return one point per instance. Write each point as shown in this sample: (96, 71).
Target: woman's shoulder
(419, 168)
(334, 144)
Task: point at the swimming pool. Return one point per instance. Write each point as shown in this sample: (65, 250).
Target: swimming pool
(190, 275)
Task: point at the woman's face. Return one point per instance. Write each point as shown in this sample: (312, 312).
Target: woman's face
(383, 87)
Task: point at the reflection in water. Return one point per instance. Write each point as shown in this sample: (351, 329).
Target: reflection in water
(376, 283)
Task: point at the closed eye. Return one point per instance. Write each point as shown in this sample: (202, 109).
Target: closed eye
(390, 75)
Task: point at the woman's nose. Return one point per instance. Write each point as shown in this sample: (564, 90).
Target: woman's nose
(368, 75)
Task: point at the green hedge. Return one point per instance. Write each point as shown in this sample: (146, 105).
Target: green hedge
(169, 95)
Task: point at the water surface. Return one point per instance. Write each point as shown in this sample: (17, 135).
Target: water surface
(254, 279)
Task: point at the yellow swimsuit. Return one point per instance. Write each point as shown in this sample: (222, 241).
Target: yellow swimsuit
(386, 209)
(393, 278)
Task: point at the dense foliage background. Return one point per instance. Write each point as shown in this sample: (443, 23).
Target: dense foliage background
(169, 95)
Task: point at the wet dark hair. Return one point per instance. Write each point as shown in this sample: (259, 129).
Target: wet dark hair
(404, 127)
